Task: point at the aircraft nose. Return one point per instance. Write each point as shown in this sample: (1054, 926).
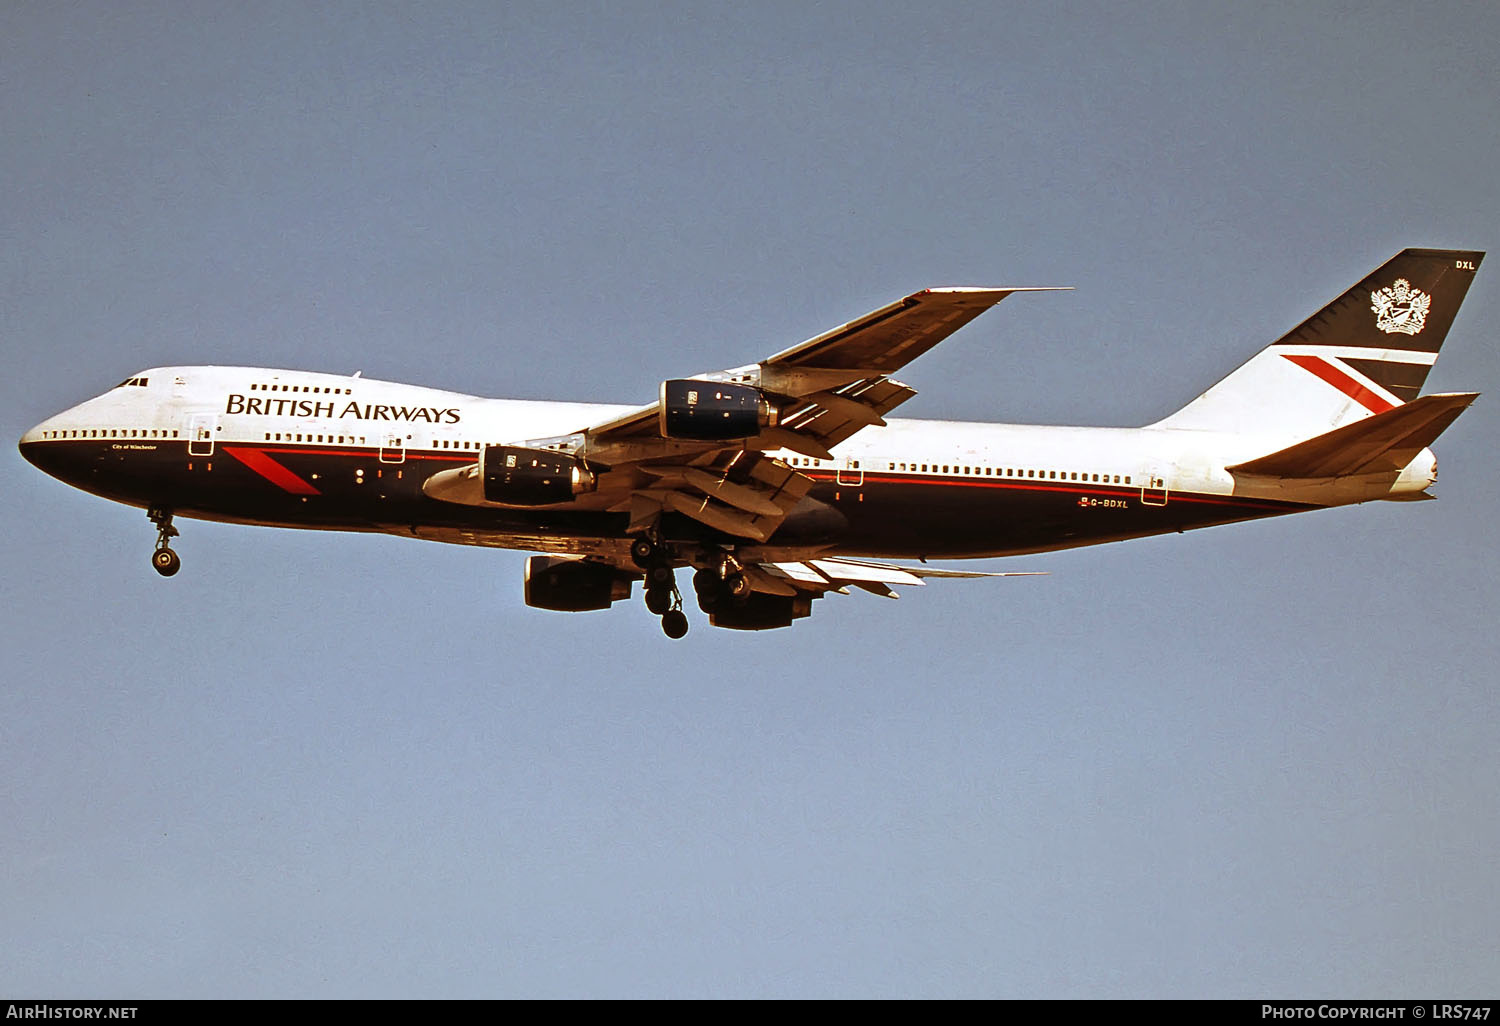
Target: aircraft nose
(30, 444)
(49, 456)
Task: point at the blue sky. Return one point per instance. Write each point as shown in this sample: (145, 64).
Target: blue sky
(1249, 761)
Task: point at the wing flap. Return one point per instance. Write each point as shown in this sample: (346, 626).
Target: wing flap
(837, 573)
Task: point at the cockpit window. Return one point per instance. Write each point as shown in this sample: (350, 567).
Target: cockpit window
(141, 382)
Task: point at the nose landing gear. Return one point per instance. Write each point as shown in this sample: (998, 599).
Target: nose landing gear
(163, 560)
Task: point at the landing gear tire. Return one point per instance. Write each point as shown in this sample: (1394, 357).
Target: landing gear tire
(738, 586)
(165, 562)
(643, 552)
(674, 623)
(658, 601)
(707, 586)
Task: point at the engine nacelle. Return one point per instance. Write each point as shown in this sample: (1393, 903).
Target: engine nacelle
(712, 411)
(761, 612)
(574, 585)
(517, 476)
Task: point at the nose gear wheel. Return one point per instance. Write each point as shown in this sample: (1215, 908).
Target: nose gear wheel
(163, 560)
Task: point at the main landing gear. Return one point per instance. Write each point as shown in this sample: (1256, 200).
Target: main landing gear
(163, 559)
(720, 587)
(662, 597)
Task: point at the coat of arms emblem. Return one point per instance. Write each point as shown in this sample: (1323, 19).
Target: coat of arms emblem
(1400, 308)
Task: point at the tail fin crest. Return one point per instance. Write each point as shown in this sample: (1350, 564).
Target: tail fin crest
(1367, 352)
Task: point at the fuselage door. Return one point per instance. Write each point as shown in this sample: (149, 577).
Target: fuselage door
(850, 474)
(201, 430)
(1154, 490)
(392, 449)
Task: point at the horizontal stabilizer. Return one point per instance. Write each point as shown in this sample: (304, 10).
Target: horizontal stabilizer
(1384, 442)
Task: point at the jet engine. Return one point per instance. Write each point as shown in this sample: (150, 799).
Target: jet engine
(761, 612)
(516, 476)
(712, 411)
(571, 585)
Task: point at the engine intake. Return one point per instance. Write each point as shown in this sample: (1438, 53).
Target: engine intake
(709, 411)
(571, 585)
(516, 476)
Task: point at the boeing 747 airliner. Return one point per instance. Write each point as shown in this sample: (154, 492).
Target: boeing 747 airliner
(783, 480)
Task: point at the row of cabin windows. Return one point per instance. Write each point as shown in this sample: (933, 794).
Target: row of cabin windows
(320, 390)
(971, 471)
(113, 433)
(288, 436)
(1050, 475)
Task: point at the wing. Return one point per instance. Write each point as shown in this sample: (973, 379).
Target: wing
(822, 392)
(806, 399)
(834, 375)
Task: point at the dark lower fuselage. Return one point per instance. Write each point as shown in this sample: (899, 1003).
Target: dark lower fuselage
(899, 514)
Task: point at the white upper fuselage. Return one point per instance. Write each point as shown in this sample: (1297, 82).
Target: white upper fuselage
(255, 405)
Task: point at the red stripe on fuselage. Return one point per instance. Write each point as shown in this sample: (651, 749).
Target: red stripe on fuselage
(272, 471)
(1099, 490)
(1343, 382)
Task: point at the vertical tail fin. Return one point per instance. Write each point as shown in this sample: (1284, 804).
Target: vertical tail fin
(1366, 352)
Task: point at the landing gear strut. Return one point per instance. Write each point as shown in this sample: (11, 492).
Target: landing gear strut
(664, 600)
(163, 560)
(662, 597)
